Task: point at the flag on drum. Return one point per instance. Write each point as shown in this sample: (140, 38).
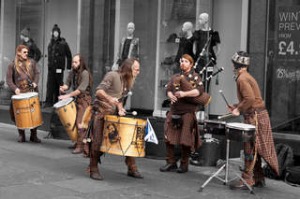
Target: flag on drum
(150, 135)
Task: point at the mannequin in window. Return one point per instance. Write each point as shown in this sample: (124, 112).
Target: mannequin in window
(34, 52)
(59, 57)
(129, 46)
(207, 43)
(186, 42)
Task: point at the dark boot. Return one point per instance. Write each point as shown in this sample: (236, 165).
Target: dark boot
(33, 136)
(79, 144)
(94, 171)
(247, 175)
(21, 136)
(132, 168)
(86, 150)
(171, 161)
(184, 162)
(86, 145)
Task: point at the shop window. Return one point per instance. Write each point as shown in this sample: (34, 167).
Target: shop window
(173, 14)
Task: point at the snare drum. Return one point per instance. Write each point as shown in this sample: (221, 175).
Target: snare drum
(240, 132)
(66, 110)
(27, 110)
(215, 127)
(123, 136)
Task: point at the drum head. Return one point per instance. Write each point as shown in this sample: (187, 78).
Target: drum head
(63, 102)
(24, 95)
(215, 122)
(240, 126)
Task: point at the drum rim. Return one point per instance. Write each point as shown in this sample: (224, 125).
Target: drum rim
(69, 100)
(124, 117)
(30, 95)
(234, 125)
(215, 122)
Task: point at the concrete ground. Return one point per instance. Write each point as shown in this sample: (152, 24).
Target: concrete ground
(49, 171)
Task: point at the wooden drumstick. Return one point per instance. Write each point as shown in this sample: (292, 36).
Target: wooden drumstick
(134, 113)
(221, 92)
(221, 117)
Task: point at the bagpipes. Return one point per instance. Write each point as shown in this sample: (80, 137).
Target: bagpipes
(182, 84)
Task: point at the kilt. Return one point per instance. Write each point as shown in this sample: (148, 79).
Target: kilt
(264, 138)
(187, 135)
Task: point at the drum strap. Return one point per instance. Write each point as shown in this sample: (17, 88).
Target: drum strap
(132, 139)
(119, 139)
(255, 144)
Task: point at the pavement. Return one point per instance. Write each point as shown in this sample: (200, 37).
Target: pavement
(49, 171)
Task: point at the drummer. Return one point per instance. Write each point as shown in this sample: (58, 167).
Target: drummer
(252, 107)
(110, 95)
(80, 80)
(23, 76)
(181, 124)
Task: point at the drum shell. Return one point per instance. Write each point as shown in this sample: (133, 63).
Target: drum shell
(27, 111)
(215, 127)
(240, 135)
(67, 116)
(131, 132)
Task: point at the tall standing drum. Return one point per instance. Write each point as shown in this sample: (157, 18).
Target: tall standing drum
(123, 136)
(66, 110)
(240, 132)
(27, 110)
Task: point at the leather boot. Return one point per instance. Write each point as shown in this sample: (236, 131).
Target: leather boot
(94, 171)
(171, 165)
(184, 162)
(33, 136)
(132, 168)
(21, 136)
(86, 150)
(79, 145)
(247, 175)
(86, 145)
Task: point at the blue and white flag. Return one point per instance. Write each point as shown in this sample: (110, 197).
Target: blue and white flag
(150, 134)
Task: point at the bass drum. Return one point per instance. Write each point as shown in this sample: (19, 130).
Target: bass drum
(123, 136)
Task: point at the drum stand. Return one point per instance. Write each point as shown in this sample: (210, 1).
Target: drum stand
(225, 167)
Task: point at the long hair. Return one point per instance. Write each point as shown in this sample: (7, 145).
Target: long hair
(19, 62)
(82, 67)
(126, 72)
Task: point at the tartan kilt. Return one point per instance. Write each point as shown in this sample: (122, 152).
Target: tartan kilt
(264, 138)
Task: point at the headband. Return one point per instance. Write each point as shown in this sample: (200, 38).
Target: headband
(241, 59)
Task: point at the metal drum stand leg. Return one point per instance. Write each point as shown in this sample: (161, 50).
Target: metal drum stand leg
(225, 167)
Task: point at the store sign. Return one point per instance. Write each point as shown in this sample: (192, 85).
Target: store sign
(287, 42)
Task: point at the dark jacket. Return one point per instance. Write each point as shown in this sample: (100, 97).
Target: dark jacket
(58, 52)
(34, 52)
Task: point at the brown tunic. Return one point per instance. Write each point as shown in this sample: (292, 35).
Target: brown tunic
(250, 104)
(82, 83)
(113, 86)
(21, 79)
(188, 134)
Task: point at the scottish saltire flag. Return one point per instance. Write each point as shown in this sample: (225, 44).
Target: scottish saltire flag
(150, 135)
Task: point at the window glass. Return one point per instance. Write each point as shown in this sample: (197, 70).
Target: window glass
(283, 76)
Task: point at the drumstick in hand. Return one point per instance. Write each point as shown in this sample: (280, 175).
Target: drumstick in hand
(221, 92)
(134, 113)
(228, 115)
